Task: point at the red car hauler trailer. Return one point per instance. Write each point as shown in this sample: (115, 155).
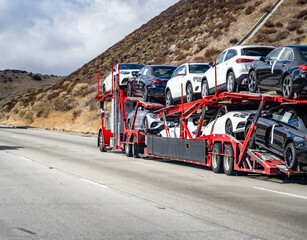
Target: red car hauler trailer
(221, 152)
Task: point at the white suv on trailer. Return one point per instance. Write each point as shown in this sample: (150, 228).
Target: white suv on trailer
(232, 67)
(190, 76)
(126, 71)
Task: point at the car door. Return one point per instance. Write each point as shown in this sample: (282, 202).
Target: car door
(282, 65)
(280, 130)
(174, 84)
(140, 80)
(222, 78)
(266, 72)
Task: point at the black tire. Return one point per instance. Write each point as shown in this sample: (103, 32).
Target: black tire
(103, 88)
(100, 142)
(128, 149)
(231, 82)
(145, 124)
(290, 156)
(287, 87)
(135, 150)
(168, 99)
(251, 144)
(217, 160)
(204, 89)
(252, 82)
(129, 91)
(189, 93)
(145, 94)
(228, 127)
(228, 161)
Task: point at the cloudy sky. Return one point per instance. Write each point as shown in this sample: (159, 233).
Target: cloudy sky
(59, 36)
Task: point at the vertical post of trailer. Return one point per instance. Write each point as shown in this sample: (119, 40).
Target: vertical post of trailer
(118, 107)
(112, 79)
(215, 77)
(182, 133)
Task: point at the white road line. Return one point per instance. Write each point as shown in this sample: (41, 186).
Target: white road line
(94, 183)
(283, 193)
(145, 164)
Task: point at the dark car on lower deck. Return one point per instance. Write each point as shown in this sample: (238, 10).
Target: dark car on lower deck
(283, 131)
(150, 82)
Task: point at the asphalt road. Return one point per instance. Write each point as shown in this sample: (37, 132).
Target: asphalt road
(57, 185)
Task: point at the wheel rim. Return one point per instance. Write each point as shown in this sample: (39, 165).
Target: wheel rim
(228, 127)
(100, 141)
(144, 93)
(145, 125)
(286, 88)
(252, 81)
(129, 90)
(214, 158)
(189, 94)
(168, 99)
(230, 82)
(227, 160)
(289, 156)
(204, 90)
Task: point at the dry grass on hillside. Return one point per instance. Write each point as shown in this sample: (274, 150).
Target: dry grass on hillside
(191, 30)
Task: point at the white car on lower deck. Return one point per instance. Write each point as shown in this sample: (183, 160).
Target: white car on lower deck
(188, 75)
(126, 71)
(232, 67)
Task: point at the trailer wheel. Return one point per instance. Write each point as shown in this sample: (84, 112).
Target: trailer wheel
(145, 94)
(128, 149)
(290, 156)
(135, 150)
(145, 124)
(228, 161)
(217, 160)
(100, 142)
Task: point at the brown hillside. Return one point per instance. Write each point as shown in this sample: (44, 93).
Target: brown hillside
(17, 81)
(191, 30)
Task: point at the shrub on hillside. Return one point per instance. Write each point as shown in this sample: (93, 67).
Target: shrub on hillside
(265, 9)
(249, 10)
(279, 24)
(36, 78)
(294, 25)
(269, 30)
(269, 24)
(233, 41)
(212, 53)
(302, 14)
(301, 2)
(257, 3)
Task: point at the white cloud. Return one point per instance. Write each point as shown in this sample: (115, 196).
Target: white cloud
(59, 36)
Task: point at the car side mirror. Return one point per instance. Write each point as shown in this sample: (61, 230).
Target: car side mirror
(262, 58)
(211, 64)
(101, 107)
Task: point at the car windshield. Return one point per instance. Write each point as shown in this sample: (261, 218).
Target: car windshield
(158, 71)
(130, 66)
(198, 68)
(303, 50)
(256, 52)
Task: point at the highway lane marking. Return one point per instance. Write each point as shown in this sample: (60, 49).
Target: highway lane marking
(145, 164)
(94, 183)
(283, 193)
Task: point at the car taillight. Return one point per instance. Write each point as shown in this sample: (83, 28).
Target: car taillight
(244, 60)
(303, 68)
(156, 80)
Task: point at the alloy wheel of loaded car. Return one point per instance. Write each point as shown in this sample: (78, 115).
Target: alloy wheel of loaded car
(252, 82)
(228, 127)
(168, 98)
(287, 87)
(290, 156)
(145, 94)
(129, 91)
(189, 93)
(231, 82)
(204, 89)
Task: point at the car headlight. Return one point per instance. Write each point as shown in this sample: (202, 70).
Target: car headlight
(124, 72)
(240, 115)
(197, 79)
(152, 115)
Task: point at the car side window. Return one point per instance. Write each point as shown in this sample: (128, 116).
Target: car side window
(183, 70)
(289, 117)
(145, 71)
(220, 58)
(176, 73)
(272, 56)
(287, 55)
(230, 54)
(275, 114)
